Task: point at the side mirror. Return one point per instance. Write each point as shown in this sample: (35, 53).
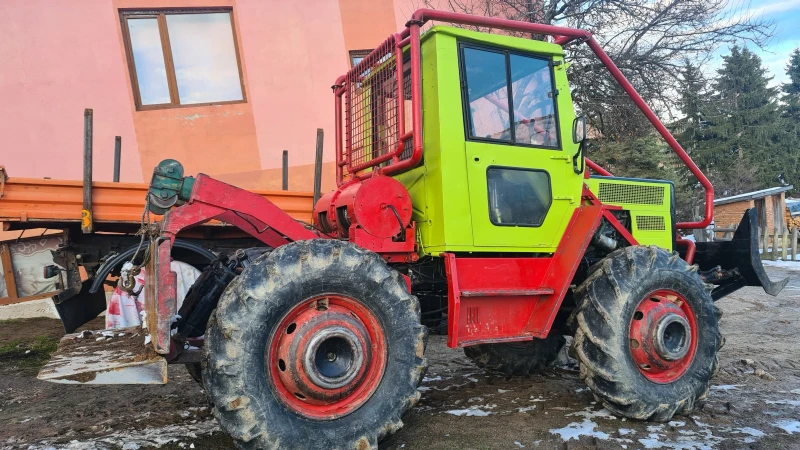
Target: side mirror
(579, 129)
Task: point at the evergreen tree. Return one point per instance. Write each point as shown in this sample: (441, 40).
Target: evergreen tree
(693, 92)
(743, 128)
(791, 91)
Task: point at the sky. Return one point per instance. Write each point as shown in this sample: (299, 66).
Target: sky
(775, 56)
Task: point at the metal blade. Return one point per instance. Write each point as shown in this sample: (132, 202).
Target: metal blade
(105, 357)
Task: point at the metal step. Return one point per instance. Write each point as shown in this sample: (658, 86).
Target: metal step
(105, 357)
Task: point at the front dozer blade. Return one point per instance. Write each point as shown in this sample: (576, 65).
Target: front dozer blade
(739, 259)
(105, 357)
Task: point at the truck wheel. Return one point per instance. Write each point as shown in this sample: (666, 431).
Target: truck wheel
(316, 346)
(646, 334)
(517, 358)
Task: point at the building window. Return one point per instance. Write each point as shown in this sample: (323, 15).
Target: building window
(182, 57)
(356, 56)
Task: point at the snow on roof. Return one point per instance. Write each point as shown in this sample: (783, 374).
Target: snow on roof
(752, 195)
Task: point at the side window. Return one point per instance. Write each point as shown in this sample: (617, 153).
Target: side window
(509, 98)
(487, 94)
(534, 105)
(518, 197)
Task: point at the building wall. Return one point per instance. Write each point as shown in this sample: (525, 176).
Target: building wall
(731, 213)
(61, 57)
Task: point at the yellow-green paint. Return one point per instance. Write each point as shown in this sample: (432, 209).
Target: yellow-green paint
(449, 190)
(649, 203)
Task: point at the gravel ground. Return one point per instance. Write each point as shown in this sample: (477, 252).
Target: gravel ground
(754, 402)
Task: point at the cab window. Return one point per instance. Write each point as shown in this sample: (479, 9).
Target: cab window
(509, 98)
(518, 197)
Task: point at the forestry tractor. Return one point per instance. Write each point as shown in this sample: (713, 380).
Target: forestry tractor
(464, 197)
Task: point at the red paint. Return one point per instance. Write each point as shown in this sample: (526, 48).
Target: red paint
(513, 299)
(288, 375)
(165, 288)
(369, 205)
(650, 364)
(392, 251)
(597, 169)
(492, 299)
(690, 249)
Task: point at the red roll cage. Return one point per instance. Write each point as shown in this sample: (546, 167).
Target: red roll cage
(394, 148)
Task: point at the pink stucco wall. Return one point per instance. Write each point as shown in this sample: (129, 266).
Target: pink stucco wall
(60, 57)
(57, 58)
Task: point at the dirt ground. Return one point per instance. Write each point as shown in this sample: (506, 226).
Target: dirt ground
(754, 402)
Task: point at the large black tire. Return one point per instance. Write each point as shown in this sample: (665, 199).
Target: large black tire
(606, 304)
(255, 303)
(517, 358)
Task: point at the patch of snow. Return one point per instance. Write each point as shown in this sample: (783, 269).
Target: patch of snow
(526, 408)
(726, 387)
(518, 444)
(751, 431)
(423, 388)
(588, 413)
(795, 391)
(575, 430)
(783, 402)
(652, 441)
(626, 431)
(789, 426)
(136, 439)
(789, 265)
(472, 411)
(503, 391)
(677, 423)
(579, 390)
(428, 380)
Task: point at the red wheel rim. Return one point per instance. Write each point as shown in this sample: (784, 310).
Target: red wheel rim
(663, 336)
(327, 357)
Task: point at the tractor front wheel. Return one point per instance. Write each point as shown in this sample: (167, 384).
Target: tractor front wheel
(517, 358)
(646, 334)
(317, 345)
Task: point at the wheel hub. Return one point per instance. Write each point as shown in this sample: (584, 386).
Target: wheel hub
(662, 337)
(333, 357)
(327, 357)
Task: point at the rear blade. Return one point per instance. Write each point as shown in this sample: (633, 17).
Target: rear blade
(105, 357)
(741, 256)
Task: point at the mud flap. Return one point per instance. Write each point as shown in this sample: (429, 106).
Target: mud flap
(105, 357)
(734, 264)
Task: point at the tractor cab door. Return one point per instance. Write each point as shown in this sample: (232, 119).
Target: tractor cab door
(523, 186)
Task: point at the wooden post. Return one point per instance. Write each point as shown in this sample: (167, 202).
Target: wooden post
(784, 238)
(318, 168)
(774, 253)
(87, 221)
(765, 249)
(8, 271)
(117, 157)
(285, 171)
(794, 242)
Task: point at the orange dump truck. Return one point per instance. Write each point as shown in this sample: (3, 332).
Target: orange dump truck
(100, 235)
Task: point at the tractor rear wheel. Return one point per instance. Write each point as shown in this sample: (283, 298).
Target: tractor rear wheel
(517, 358)
(317, 345)
(646, 334)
